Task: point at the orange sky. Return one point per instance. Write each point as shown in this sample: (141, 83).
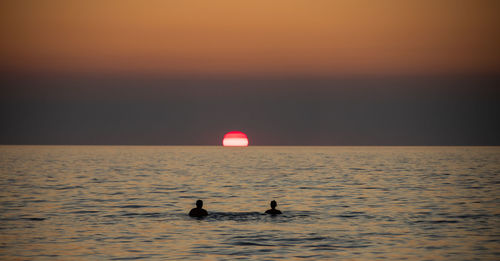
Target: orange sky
(231, 37)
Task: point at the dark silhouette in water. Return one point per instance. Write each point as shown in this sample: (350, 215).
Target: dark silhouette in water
(198, 211)
(273, 210)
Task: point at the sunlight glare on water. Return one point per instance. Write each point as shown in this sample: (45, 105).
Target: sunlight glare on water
(118, 202)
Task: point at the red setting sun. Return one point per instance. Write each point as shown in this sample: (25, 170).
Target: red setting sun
(235, 139)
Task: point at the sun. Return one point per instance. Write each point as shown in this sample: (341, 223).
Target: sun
(235, 139)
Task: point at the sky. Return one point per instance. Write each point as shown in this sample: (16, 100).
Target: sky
(292, 72)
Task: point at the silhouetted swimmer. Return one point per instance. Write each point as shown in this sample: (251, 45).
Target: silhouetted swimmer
(198, 211)
(273, 210)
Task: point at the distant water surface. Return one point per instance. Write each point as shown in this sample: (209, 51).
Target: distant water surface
(362, 203)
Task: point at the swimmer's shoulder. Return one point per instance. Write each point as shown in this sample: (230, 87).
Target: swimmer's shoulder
(198, 212)
(273, 211)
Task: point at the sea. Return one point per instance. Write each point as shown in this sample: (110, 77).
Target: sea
(338, 203)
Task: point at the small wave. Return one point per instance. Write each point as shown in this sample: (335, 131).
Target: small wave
(165, 188)
(142, 215)
(34, 219)
(244, 243)
(470, 216)
(354, 214)
(442, 221)
(309, 168)
(328, 197)
(85, 212)
(234, 216)
(383, 189)
(131, 258)
(436, 221)
(133, 206)
(69, 187)
(187, 197)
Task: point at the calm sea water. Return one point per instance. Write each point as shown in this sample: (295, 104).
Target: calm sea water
(361, 203)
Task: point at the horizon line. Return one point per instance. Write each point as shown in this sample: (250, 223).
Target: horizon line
(191, 145)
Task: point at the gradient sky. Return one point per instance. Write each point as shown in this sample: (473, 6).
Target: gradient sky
(322, 37)
(292, 72)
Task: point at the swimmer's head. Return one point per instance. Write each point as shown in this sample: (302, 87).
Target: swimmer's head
(199, 203)
(273, 204)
